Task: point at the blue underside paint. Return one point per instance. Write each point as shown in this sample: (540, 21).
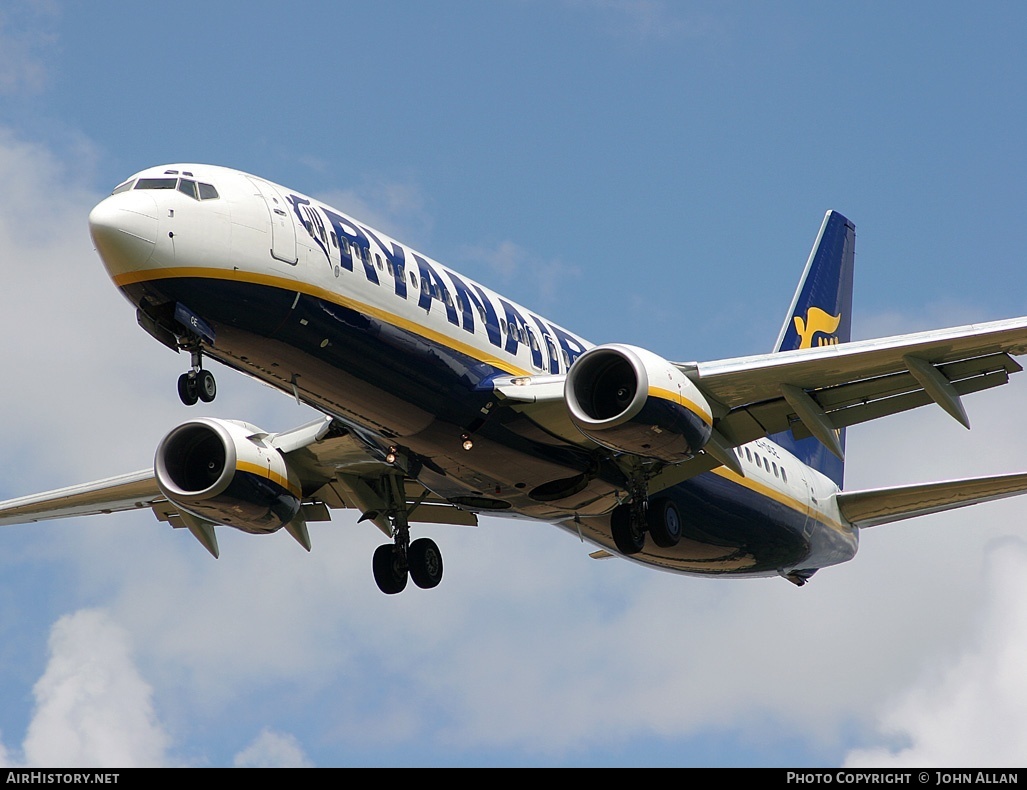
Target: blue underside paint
(401, 388)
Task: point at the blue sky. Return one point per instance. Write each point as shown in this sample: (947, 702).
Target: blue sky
(638, 171)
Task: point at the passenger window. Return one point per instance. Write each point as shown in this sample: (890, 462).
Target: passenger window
(335, 240)
(748, 455)
(784, 476)
(413, 279)
(551, 350)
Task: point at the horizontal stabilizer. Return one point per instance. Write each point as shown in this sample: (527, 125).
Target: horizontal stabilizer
(876, 506)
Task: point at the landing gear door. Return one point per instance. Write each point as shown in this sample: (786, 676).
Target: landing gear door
(283, 229)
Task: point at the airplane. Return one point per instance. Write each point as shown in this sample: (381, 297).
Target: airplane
(441, 400)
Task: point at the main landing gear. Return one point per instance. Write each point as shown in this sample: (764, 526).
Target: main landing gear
(394, 562)
(420, 560)
(197, 384)
(630, 522)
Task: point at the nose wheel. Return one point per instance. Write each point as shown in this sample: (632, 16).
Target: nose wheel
(197, 384)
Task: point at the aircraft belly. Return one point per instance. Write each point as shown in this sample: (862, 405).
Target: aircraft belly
(404, 389)
(422, 396)
(728, 530)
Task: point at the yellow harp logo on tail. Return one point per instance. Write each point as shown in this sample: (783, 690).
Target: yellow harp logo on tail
(817, 320)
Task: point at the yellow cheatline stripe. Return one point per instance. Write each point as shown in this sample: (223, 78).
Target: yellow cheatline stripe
(471, 351)
(267, 472)
(675, 397)
(772, 493)
(289, 284)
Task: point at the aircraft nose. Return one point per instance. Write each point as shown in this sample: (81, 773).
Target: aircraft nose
(124, 230)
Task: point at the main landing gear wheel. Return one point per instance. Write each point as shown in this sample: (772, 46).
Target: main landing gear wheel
(390, 573)
(628, 532)
(425, 562)
(394, 563)
(664, 523)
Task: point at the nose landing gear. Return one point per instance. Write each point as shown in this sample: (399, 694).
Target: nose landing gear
(197, 383)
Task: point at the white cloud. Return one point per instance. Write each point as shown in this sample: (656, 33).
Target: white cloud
(971, 711)
(273, 750)
(92, 706)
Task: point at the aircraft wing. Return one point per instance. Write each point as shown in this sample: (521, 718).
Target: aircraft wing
(335, 469)
(877, 506)
(817, 391)
(124, 492)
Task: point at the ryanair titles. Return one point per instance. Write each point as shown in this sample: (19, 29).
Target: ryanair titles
(350, 246)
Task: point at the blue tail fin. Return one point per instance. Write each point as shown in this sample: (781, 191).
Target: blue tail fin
(821, 314)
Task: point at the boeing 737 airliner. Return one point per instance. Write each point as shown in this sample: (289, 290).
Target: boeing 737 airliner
(442, 400)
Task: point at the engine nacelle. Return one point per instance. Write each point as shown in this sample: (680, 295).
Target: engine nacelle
(634, 401)
(226, 472)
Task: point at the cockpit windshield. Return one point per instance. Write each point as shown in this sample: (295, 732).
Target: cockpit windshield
(197, 190)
